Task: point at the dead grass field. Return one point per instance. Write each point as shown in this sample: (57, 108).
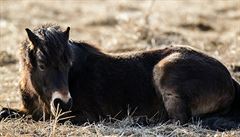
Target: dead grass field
(118, 26)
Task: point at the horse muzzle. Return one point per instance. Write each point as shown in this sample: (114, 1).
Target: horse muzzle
(61, 101)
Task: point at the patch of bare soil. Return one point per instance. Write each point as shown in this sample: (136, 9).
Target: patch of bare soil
(199, 26)
(6, 58)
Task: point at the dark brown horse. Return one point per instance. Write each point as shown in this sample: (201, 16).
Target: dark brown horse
(174, 83)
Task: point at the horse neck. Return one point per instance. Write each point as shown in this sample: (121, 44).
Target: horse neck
(84, 52)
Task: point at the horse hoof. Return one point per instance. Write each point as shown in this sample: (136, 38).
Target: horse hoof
(6, 113)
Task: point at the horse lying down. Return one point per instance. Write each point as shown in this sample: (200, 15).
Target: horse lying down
(173, 83)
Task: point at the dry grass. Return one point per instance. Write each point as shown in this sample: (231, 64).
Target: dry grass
(117, 26)
(20, 127)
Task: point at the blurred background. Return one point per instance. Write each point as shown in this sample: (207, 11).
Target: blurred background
(212, 26)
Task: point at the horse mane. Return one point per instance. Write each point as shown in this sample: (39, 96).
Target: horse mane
(26, 46)
(88, 47)
(82, 44)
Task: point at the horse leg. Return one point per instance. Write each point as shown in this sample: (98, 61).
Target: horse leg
(12, 113)
(169, 92)
(176, 107)
(30, 106)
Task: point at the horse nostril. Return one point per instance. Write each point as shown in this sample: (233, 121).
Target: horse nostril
(57, 102)
(62, 105)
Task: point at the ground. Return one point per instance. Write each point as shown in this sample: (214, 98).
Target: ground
(212, 26)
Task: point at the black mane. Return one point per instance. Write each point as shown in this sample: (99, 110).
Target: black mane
(87, 47)
(54, 45)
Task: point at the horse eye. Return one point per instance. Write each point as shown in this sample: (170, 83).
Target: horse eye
(42, 67)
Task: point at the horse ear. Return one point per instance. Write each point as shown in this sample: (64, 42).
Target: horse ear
(32, 37)
(66, 32)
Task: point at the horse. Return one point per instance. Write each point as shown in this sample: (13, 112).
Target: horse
(172, 83)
